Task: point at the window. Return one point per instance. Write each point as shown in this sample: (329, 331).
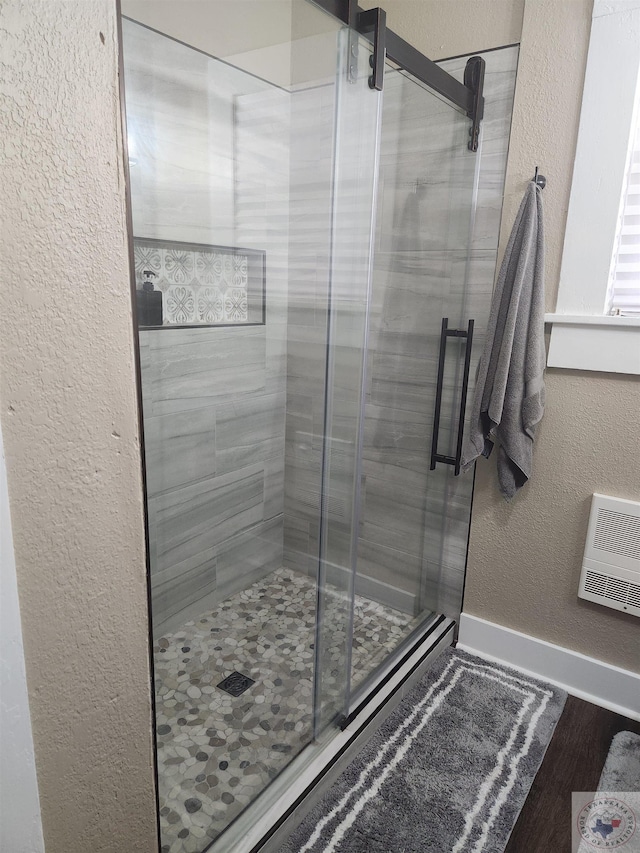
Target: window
(623, 298)
(598, 261)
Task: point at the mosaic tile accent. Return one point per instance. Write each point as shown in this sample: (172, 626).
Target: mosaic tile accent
(217, 752)
(202, 285)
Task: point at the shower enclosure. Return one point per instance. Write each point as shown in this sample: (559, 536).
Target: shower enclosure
(301, 214)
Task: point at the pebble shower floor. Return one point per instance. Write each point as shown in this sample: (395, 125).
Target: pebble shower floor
(217, 752)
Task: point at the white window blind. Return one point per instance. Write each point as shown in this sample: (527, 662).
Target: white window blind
(623, 296)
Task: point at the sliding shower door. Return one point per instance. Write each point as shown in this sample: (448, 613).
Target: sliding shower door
(404, 192)
(354, 184)
(298, 238)
(252, 159)
(232, 156)
(425, 206)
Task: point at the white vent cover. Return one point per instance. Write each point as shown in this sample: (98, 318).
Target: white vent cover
(611, 564)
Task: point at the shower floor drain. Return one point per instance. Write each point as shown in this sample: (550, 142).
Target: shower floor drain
(236, 683)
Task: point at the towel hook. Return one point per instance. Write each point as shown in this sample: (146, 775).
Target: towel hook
(540, 180)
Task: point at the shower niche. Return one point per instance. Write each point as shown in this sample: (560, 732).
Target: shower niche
(196, 284)
(307, 233)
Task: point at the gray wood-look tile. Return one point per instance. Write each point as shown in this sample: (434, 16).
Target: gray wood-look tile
(249, 431)
(303, 480)
(394, 515)
(179, 449)
(201, 515)
(181, 586)
(249, 556)
(389, 565)
(273, 486)
(297, 553)
(192, 368)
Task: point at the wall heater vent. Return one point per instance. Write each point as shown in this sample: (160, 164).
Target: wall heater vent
(618, 533)
(611, 564)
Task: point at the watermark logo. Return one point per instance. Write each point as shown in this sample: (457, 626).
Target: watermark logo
(606, 821)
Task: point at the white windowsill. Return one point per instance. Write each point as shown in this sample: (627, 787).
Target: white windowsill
(594, 342)
(591, 320)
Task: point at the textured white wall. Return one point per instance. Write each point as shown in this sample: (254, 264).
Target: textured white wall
(68, 412)
(20, 823)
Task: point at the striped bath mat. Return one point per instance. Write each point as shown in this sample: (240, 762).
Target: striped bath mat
(448, 772)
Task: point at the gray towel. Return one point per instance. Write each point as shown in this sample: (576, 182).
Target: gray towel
(509, 397)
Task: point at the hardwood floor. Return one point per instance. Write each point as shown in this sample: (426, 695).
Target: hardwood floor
(573, 762)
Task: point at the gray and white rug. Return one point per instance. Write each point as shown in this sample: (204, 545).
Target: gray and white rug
(609, 818)
(621, 770)
(448, 772)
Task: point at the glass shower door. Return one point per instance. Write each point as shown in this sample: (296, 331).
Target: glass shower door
(425, 205)
(392, 526)
(247, 161)
(355, 174)
(297, 239)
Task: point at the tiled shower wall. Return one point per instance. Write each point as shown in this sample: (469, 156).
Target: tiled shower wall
(312, 140)
(233, 481)
(213, 397)
(413, 523)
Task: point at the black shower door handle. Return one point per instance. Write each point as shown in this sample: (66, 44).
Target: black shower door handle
(445, 333)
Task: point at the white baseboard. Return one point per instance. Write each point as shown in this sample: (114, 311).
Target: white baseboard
(587, 678)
